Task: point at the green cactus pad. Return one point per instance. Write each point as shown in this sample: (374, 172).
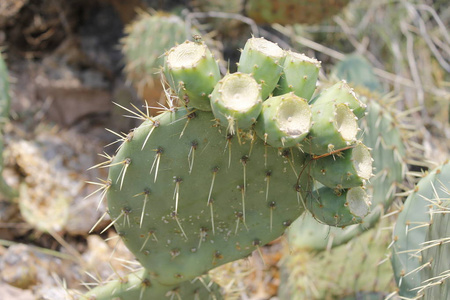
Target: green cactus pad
(412, 258)
(186, 199)
(140, 285)
(349, 168)
(236, 101)
(341, 92)
(338, 208)
(300, 74)
(284, 121)
(192, 73)
(264, 60)
(334, 127)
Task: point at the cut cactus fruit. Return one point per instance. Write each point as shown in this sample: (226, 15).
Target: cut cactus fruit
(192, 72)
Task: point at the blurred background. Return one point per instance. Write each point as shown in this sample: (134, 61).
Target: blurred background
(69, 60)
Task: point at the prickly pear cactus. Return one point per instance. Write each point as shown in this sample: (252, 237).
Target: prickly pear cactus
(293, 11)
(146, 39)
(420, 253)
(187, 194)
(5, 103)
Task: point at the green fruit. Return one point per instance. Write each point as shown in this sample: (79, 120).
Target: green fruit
(236, 102)
(300, 74)
(341, 92)
(192, 73)
(284, 121)
(346, 169)
(264, 60)
(338, 208)
(334, 127)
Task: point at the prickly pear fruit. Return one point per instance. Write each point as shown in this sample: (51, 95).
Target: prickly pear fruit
(338, 208)
(236, 101)
(300, 74)
(341, 92)
(192, 72)
(264, 60)
(382, 132)
(334, 127)
(285, 120)
(346, 169)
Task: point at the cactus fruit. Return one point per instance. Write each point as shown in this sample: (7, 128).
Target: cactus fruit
(341, 92)
(334, 127)
(5, 103)
(420, 253)
(381, 131)
(192, 72)
(300, 74)
(185, 196)
(236, 101)
(145, 40)
(139, 285)
(264, 60)
(338, 208)
(349, 168)
(284, 121)
(287, 12)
